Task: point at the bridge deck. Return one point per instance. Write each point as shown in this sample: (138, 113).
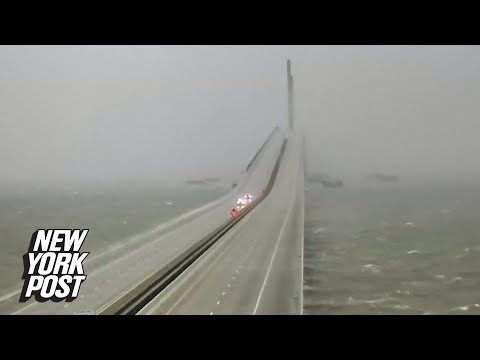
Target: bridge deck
(257, 268)
(113, 273)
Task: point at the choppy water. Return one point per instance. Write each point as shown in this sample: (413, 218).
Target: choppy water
(111, 213)
(370, 250)
(392, 250)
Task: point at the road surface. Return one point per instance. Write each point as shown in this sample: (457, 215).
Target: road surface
(113, 273)
(257, 268)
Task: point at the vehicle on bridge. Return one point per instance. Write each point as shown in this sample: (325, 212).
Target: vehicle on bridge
(242, 202)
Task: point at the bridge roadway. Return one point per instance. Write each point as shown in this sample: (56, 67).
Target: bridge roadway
(111, 273)
(256, 268)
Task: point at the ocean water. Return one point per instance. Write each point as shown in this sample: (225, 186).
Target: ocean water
(392, 249)
(368, 249)
(111, 213)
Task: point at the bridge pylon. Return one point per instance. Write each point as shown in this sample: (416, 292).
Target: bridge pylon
(290, 95)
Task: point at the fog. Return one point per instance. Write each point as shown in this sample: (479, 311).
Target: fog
(154, 113)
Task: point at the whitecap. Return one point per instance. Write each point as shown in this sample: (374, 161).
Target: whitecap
(441, 277)
(168, 203)
(319, 230)
(371, 268)
(455, 280)
(401, 307)
(413, 252)
(353, 301)
(409, 224)
(460, 308)
(325, 302)
(403, 292)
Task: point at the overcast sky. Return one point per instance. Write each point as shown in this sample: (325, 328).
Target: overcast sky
(114, 113)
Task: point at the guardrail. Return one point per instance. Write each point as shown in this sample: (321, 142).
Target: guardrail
(140, 294)
(261, 148)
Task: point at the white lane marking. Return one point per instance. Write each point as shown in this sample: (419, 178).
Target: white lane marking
(240, 265)
(244, 259)
(209, 268)
(237, 272)
(270, 265)
(10, 295)
(25, 308)
(282, 230)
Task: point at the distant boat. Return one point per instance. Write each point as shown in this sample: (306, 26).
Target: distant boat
(332, 183)
(326, 180)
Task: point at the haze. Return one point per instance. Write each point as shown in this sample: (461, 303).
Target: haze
(154, 113)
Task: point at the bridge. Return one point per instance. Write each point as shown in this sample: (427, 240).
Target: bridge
(205, 261)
